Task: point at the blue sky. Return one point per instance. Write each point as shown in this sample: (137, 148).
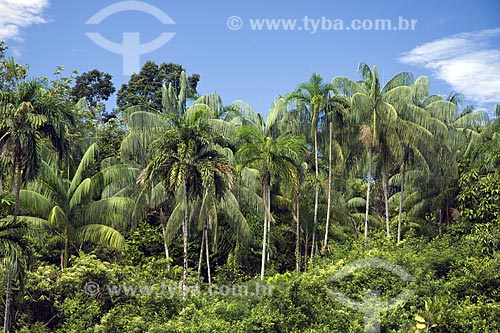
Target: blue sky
(456, 43)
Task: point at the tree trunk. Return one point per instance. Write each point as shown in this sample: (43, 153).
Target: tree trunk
(329, 195)
(200, 258)
(264, 236)
(316, 194)
(8, 302)
(440, 221)
(185, 243)
(268, 240)
(354, 227)
(296, 217)
(369, 176)
(385, 185)
(306, 246)
(207, 254)
(64, 263)
(16, 187)
(163, 223)
(403, 170)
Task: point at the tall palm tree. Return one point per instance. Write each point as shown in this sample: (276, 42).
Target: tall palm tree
(28, 113)
(373, 107)
(276, 157)
(315, 95)
(75, 209)
(455, 133)
(214, 203)
(12, 245)
(187, 161)
(147, 125)
(291, 199)
(337, 107)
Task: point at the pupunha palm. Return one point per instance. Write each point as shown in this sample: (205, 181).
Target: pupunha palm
(291, 200)
(12, 246)
(372, 107)
(275, 158)
(13, 253)
(186, 159)
(336, 115)
(28, 113)
(417, 128)
(315, 96)
(455, 134)
(74, 208)
(215, 202)
(146, 125)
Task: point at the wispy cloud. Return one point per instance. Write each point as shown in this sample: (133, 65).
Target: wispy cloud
(468, 62)
(18, 14)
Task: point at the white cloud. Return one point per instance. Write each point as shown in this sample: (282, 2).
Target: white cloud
(466, 61)
(18, 14)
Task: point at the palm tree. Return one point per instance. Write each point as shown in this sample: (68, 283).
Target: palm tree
(214, 203)
(146, 125)
(315, 95)
(28, 113)
(76, 209)
(291, 199)
(186, 159)
(455, 133)
(12, 245)
(373, 107)
(337, 107)
(277, 157)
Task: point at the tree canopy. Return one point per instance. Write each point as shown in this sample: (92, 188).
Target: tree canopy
(180, 213)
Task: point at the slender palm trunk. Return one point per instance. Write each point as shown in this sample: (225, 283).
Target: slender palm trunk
(329, 195)
(316, 194)
(185, 243)
(65, 254)
(354, 227)
(264, 243)
(16, 187)
(401, 196)
(440, 221)
(268, 199)
(386, 201)
(207, 254)
(265, 189)
(8, 302)
(163, 222)
(296, 217)
(369, 176)
(306, 246)
(200, 258)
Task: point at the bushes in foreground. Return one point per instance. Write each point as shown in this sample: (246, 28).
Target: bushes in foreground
(455, 287)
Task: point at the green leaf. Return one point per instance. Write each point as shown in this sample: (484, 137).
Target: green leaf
(419, 318)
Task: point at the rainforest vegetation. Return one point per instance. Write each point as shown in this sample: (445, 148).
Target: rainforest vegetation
(177, 212)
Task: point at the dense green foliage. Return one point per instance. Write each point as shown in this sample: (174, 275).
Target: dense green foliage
(182, 214)
(145, 88)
